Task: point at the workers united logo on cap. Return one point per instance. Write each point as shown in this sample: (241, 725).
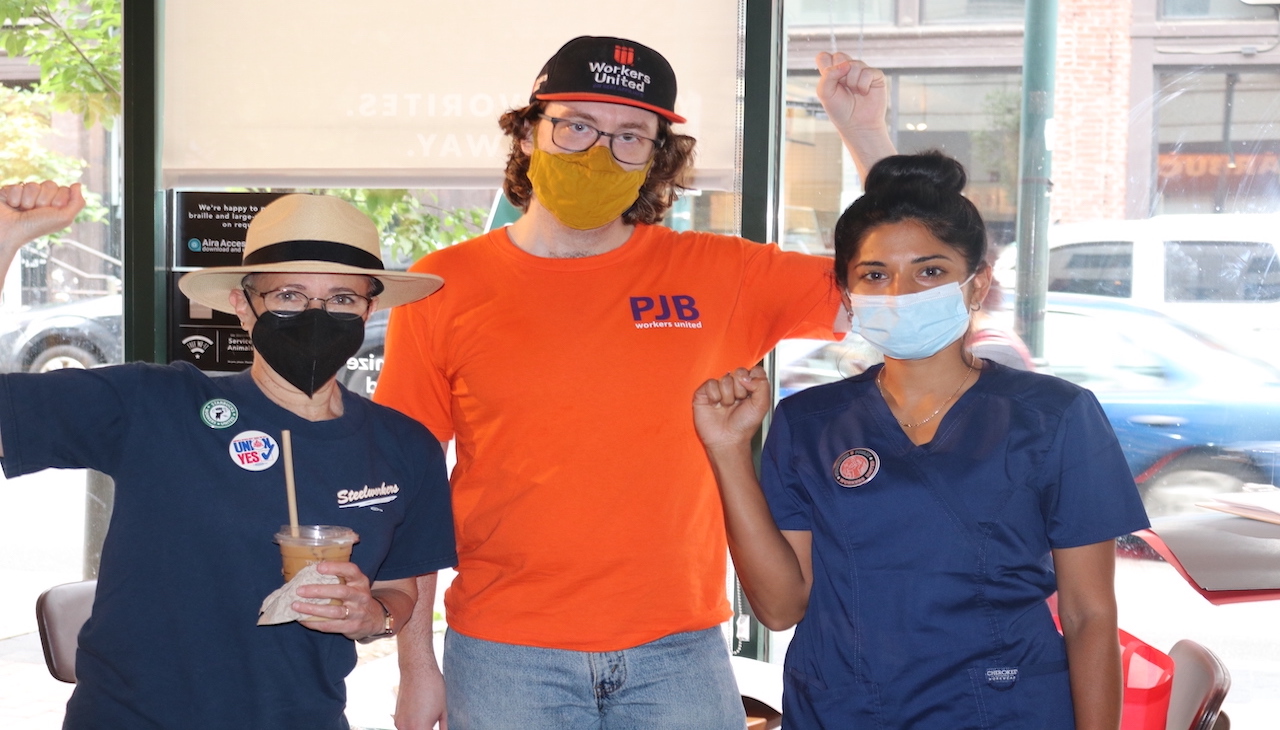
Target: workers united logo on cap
(613, 70)
(856, 467)
(254, 450)
(219, 413)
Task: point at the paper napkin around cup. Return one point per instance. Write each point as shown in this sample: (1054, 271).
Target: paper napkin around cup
(277, 608)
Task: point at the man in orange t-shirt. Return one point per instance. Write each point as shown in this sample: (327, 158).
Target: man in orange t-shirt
(591, 545)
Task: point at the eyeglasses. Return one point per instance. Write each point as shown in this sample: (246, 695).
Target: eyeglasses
(627, 147)
(291, 302)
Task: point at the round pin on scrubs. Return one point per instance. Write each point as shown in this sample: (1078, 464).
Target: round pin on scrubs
(856, 467)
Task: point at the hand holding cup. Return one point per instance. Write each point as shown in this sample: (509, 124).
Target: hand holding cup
(352, 610)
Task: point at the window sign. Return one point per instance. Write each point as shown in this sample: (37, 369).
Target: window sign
(208, 229)
(283, 94)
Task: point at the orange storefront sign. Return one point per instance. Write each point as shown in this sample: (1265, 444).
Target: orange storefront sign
(1213, 165)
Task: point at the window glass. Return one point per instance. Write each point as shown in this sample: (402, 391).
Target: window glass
(841, 12)
(1184, 121)
(1104, 269)
(61, 307)
(1218, 147)
(1093, 353)
(1220, 271)
(930, 111)
(1214, 9)
(972, 11)
(974, 118)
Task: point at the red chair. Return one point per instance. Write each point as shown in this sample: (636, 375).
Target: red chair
(1181, 690)
(1148, 676)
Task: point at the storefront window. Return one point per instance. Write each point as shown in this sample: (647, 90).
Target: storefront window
(928, 111)
(841, 12)
(1215, 10)
(61, 307)
(1219, 150)
(1185, 126)
(971, 11)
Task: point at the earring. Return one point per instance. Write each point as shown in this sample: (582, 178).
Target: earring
(975, 306)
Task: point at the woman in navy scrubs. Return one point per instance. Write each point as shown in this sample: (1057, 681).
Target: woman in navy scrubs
(914, 519)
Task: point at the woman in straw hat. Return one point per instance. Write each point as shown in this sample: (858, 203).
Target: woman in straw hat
(200, 485)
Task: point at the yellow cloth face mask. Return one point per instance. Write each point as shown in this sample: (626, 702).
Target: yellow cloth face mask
(584, 190)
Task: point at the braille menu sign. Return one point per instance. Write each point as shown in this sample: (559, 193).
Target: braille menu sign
(208, 229)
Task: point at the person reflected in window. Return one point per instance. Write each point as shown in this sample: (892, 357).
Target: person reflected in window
(991, 338)
(912, 520)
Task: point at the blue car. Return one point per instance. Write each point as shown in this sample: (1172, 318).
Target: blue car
(1194, 418)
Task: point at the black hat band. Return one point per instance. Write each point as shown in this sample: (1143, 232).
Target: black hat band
(290, 251)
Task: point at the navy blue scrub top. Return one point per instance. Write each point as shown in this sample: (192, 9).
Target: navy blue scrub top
(932, 563)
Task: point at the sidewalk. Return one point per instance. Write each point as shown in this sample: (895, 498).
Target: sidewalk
(41, 534)
(30, 699)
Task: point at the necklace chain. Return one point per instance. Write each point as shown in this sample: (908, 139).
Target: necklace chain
(931, 415)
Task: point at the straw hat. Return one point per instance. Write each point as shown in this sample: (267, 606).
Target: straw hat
(309, 234)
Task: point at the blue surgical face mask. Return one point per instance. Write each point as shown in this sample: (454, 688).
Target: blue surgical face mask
(911, 326)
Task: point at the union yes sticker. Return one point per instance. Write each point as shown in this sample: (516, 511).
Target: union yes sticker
(856, 467)
(254, 450)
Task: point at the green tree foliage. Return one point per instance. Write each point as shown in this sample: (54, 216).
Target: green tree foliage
(412, 227)
(77, 45)
(25, 124)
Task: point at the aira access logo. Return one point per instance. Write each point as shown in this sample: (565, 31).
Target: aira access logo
(624, 55)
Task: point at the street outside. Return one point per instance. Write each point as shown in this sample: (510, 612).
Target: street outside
(41, 532)
(41, 529)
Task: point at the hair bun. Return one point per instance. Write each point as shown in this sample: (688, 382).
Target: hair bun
(931, 170)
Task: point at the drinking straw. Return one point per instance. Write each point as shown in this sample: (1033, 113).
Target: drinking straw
(286, 447)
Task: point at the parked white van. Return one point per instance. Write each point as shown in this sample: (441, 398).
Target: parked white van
(1219, 273)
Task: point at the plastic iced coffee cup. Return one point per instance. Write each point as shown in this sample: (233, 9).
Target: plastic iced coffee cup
(313, 544)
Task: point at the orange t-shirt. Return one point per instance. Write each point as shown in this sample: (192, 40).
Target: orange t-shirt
(586, 514)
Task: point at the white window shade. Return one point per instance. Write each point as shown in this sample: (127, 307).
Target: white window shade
(406, 93)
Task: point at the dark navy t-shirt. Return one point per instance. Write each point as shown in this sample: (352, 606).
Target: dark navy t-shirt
(932, 563)
(189, 555)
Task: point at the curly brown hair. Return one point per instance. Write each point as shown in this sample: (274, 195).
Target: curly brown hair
(672, 163)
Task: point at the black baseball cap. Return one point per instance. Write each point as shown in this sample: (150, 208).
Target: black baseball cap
(613, 70)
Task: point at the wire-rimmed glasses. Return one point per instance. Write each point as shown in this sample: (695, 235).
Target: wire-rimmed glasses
(291, 302)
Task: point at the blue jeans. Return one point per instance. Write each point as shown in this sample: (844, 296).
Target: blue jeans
(679, 682)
